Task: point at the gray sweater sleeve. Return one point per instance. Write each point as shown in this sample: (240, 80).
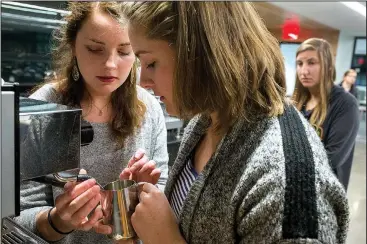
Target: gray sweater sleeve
(262, 220)
(261, 214)
(159, 138)
(46, 93)
(35, 197)
(160, 154)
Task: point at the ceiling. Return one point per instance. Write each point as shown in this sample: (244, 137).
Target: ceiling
(332, 14)
(16, 20)
(275, 17)
(49, 4)
(312, 15)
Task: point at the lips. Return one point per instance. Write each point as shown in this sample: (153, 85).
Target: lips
(306, 80)
(107, 79)
(161, 98)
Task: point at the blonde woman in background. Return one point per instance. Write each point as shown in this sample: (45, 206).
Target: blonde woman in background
(330, 110)
(348, 82)
(95, 68)
(250, 168)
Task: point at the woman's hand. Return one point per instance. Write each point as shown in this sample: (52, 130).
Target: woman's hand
(140, 169)
(99, 227)
(74, 205)
(71, 210)
(153, 219)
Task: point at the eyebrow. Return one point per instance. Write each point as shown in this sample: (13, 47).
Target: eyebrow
(138, 53)
(99, 42)
(308, 59)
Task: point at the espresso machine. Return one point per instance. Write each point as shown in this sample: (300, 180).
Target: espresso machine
(41, 142)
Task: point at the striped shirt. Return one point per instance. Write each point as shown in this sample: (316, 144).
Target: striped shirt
(182, 187)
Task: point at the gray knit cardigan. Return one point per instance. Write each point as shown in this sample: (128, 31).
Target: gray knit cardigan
(269, 182)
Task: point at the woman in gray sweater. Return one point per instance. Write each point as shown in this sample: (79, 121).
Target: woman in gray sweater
(95, 71)
(250, 168)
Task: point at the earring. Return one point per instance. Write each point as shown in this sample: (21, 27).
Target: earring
(75, 71)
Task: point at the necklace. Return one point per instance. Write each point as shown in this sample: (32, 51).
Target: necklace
(100, 109)
(100, 113)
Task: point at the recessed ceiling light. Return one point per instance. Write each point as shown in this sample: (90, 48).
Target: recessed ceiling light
(356, 6)
(62, 12)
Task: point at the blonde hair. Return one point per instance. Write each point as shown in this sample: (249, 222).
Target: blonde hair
(226, 59)
(327, 77)
(128, 109)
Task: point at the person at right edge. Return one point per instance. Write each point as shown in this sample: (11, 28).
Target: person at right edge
(349, 82)
(250, 168)
(330, 110)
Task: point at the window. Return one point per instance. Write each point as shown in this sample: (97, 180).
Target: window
(360, 46)
(359, 63)
(289, 51)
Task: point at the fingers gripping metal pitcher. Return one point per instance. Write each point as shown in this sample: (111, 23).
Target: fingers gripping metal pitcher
(118, 201)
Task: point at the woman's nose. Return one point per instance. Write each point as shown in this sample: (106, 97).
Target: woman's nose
(111, 62)
(145, 80)
(304, 70)
(146, 83)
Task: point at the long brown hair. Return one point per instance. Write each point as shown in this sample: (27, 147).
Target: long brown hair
(226, 59)
(128, 109)
(327, 77)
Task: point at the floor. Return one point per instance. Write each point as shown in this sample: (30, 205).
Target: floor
(357, 191)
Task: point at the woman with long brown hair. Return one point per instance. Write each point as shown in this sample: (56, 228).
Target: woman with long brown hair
(250, 168)
(330, 110)
(95, 71)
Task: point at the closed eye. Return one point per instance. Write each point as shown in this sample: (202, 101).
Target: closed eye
(123, 53)
(94, 50)
(151, 65)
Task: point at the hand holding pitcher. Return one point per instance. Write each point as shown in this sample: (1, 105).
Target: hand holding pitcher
(139, 169)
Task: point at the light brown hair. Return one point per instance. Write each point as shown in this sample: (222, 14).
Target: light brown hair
(327, 77)
(128, 109)
(226, 59)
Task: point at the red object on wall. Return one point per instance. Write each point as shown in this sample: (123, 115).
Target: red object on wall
(291, 28)
(360, 61)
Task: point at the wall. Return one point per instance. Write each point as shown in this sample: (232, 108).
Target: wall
(274, 18)
(330, 35)
(344, 55)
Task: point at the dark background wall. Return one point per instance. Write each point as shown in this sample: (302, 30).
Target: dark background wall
(26, 42)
